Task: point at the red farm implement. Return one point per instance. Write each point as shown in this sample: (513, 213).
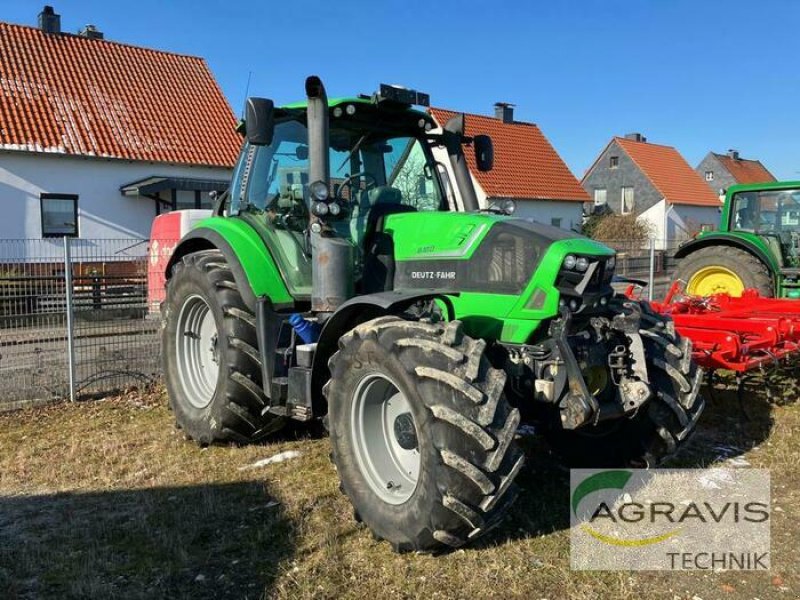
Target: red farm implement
(752, 336)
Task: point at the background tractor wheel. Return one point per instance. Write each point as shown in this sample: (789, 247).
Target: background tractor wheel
(422, 435)
(660, 426)
(724, 269)
(211, 362)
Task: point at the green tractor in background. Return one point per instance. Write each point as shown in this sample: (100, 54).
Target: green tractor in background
(757, 245)
(344, 276)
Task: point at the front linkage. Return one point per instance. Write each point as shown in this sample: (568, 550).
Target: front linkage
(594, 375)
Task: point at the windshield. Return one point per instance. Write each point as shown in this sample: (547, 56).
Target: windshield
(767, 211)
(367, 169)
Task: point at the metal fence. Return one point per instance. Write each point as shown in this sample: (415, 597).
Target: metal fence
(652, 262)
(76, 318)
(80, 317)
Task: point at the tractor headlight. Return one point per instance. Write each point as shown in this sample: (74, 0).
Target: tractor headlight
(582, 263)
(569, 261)
(334, 209)
(611, 263)
(319, 191)
(509, 206)
(320, 209)
(350, 109)
(337, 112)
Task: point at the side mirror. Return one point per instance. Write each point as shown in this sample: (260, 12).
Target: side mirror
(259, 121)
(484, 152)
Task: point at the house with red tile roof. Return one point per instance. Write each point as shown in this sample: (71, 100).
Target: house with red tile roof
(654, 182)
(98, 137)
(527, 169)
(720, 171)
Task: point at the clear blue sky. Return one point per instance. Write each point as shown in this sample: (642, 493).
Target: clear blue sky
(698, 75)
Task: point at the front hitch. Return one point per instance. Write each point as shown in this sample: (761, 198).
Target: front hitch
(578, 405)
(627, 363)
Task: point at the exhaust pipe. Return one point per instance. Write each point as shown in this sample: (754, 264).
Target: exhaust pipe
(332, 258)
(318, 133)
(452, 136)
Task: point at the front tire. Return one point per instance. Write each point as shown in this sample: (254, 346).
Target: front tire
(422, 435)
(212, 366)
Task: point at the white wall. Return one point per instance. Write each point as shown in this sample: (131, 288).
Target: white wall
(544, 211)
(685, 220)
(654, 216)
(675, 223)
(103, 212)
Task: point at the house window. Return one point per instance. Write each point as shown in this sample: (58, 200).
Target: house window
(626, 205)
(555, 221)
(709, 175)
(613, 162)
(59, 215)
(600, 198)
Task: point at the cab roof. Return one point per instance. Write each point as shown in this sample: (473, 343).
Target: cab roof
(334, 102)
(769, 185)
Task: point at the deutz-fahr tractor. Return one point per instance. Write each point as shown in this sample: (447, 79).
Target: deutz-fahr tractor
(349, 275)
(757, 245)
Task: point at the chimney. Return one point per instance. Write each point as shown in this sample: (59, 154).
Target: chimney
(636, 137)
(91, 32)
(49, 21)
(504, 111)
(734, 154)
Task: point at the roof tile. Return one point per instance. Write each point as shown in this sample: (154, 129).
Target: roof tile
(71, 95)
(526, 165)
(744, 170)
(669, 172)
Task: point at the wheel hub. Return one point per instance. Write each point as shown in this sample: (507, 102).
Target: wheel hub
(715, 279)
(385, 437)
(197, 344)
(404, 432)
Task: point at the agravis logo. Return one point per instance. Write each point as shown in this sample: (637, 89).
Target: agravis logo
(672, 516)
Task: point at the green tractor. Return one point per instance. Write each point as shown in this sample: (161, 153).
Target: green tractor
(757, 245)
(346, 277)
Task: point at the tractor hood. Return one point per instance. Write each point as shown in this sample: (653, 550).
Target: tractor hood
(481, 252)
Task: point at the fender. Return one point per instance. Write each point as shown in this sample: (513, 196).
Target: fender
(251, 263)
(725, 240)
(354, 312)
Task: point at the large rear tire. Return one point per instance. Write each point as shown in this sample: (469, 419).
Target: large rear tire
(211, 361)
(724, 269)
(422, 435)
(661, 426)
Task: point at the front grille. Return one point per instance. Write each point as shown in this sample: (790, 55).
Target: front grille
(503, 263)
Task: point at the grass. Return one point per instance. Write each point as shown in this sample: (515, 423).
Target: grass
(105, 499)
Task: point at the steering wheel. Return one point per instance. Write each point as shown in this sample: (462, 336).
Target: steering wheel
(370, 180)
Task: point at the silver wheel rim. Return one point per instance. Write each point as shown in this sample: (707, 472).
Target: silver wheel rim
(197, 351)
(385, 437)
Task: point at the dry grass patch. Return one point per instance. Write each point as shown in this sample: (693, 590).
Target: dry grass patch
(106, 500)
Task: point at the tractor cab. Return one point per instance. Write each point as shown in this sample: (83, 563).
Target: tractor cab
(381, 163)
(757, 245)
(772, 215)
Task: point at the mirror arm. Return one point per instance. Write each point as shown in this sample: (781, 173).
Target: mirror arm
(452, 136)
